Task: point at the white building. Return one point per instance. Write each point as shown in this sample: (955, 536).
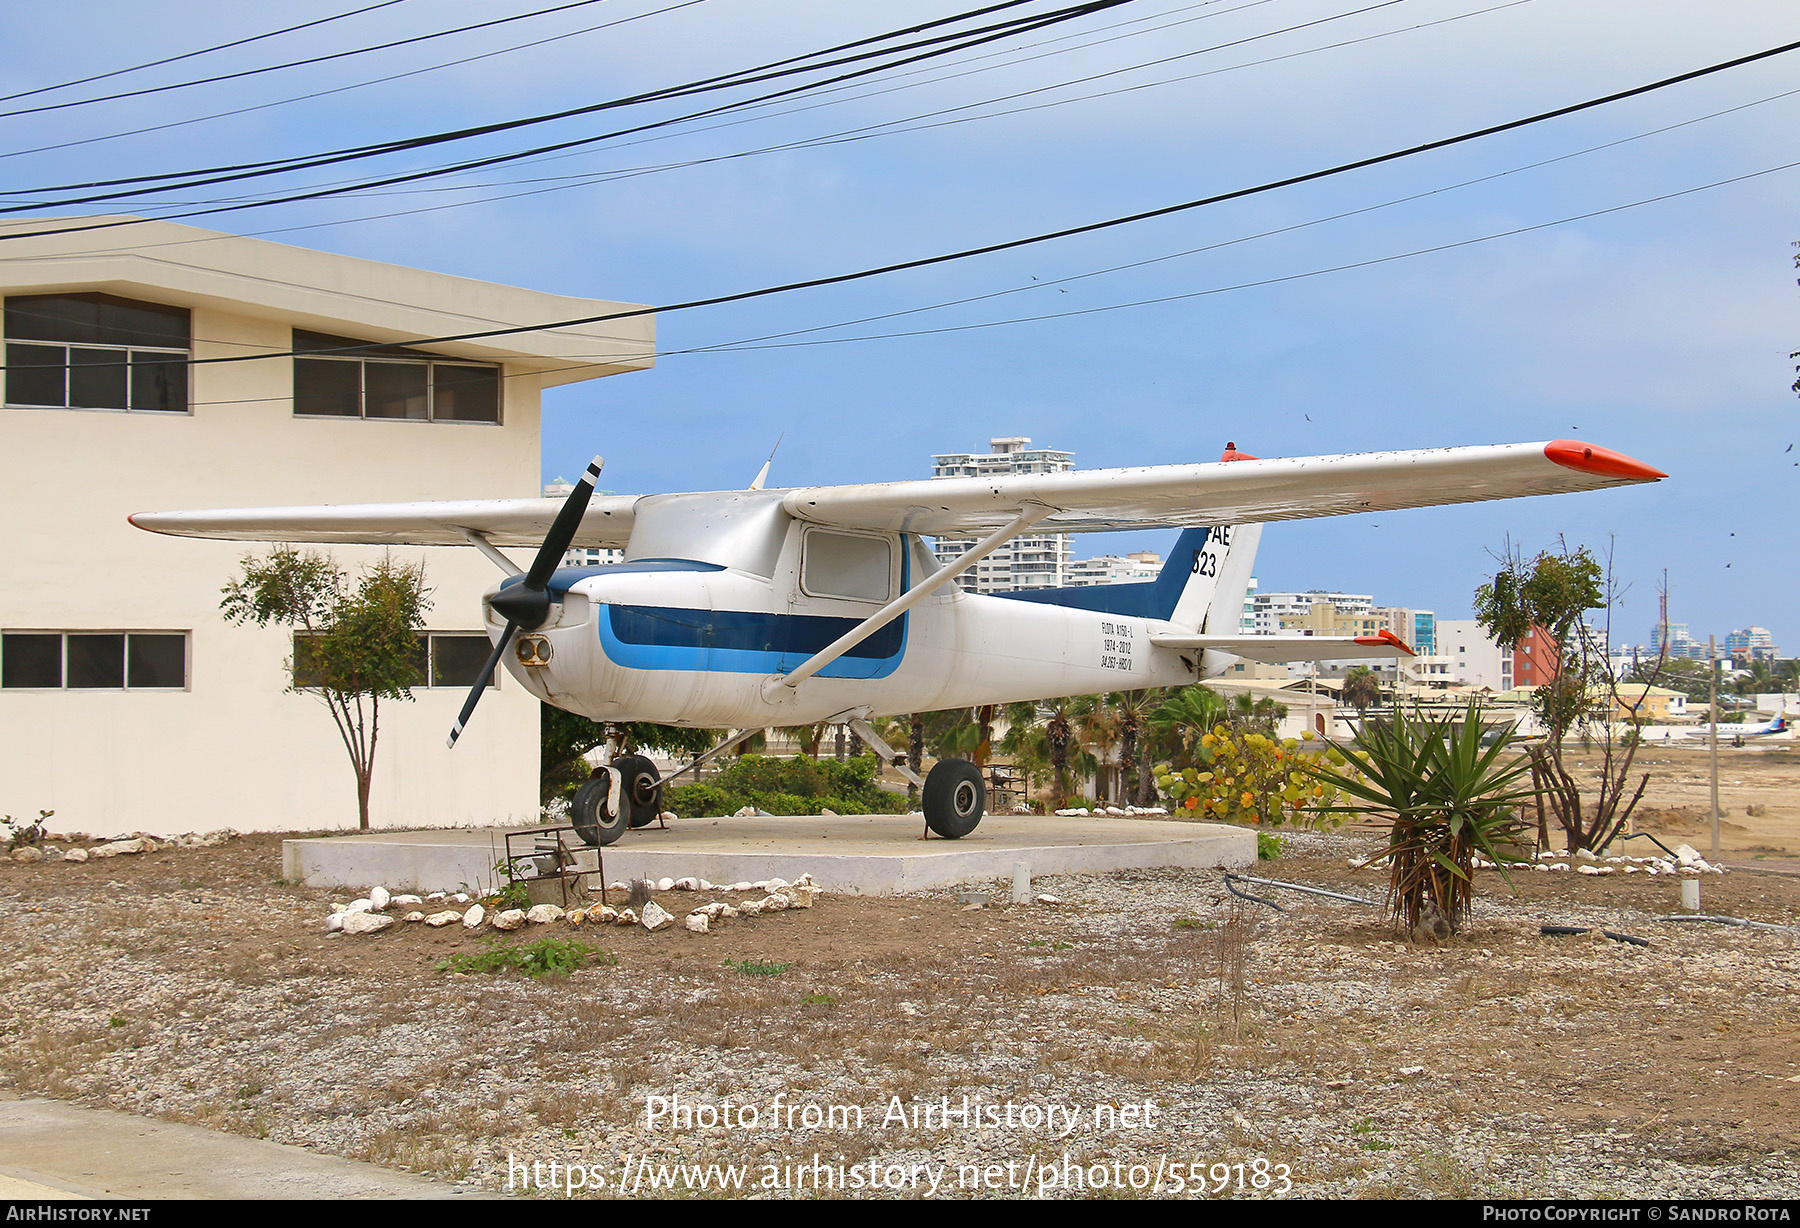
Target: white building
(126, 701)
(1039, 560)
(1269, 609)
(1472, 657)
(1114, 569)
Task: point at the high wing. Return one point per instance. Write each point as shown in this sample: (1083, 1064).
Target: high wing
(503, 522)
(1241, 490)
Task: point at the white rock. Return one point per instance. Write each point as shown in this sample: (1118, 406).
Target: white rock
(1686, 854)
(775, 903)
(1585, 855)
(665, 884)
(474, 917)
(335, 923)
(1115, 812)
(575, 916)
(728, 913)
(406, 901)
(625, 916)
(1412, 1071)
(415, 915)
(703, 885)
(602, 915)
(435, 895)
(655, 916)
(363, 905)
(510, 919)
(667, 816)
(698, 923)
(438, 920)
(801, 896)
(365, 922)
(1541, 868)
(744, 812)
(544, 914)
(76, 855)
(739, 887)
(750, 908)
(1049, 899)
(28, 853)
(687, 884)
(379, 898)
(117, 848)
(461, 897)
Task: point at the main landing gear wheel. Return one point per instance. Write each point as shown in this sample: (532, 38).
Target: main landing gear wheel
(591, 811)
(643, 789)
(955, 798)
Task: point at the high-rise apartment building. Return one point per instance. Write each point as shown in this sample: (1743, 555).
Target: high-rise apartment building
(1031, 560)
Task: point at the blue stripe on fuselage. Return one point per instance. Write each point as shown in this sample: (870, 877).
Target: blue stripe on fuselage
(1140, 598)
(748, 641)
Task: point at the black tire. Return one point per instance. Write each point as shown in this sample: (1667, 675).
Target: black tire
(955, 798)
(589, 815)
(642, 789)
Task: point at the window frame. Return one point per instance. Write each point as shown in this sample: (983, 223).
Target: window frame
(428, 654)
(305, 343)
(129, 352)
(886, 539)
(126, 634)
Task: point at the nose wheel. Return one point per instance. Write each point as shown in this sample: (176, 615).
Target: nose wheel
(628, 794)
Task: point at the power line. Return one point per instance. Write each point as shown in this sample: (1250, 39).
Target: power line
(985, 37)
(196, 178)
(344, 89)
(317, 59)
(1091, 227)
(188, 55)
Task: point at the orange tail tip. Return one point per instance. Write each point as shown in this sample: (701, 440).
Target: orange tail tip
(1587, 458)
(1232, 454)
(1385, 639)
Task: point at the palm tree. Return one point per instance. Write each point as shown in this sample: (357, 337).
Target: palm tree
(1097, 725)
(1186, 715)
(1134, 709)
(1362, 691)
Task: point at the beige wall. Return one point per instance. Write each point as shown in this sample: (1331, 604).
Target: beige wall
(235, 749)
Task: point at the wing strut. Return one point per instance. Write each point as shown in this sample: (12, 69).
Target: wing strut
(1029, 516)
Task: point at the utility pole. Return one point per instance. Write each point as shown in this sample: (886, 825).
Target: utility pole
(1712, 660)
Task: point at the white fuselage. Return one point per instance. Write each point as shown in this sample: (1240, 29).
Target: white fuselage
(692, 642)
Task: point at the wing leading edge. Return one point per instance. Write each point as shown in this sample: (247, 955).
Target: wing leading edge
(1236, 491)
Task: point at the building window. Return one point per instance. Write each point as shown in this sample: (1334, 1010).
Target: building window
(440, 659)
(390, 382)
(94, 351)
(93, 660)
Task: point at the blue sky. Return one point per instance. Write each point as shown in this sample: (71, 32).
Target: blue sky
(1662, 330)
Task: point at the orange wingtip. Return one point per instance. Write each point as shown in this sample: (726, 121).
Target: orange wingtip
(1385, 639)
(1232, 454)
(1586, 458)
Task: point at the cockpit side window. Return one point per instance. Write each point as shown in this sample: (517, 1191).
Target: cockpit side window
(848, 565)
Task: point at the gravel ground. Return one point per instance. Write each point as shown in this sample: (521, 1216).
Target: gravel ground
(1149, 1019)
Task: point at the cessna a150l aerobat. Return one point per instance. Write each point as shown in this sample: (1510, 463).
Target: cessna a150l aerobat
(756, 607)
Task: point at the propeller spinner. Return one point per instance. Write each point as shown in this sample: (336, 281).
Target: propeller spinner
(527, 603)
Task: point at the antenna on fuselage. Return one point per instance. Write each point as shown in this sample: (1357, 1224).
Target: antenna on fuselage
(762, 474)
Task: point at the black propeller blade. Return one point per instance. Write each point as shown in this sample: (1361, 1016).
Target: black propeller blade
(527, 603)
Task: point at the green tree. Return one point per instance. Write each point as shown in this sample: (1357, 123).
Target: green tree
(1554, 592)
(1362, 691)
(355, 645)
(1184, 717)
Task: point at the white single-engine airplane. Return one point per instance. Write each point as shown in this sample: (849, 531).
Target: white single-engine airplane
(758, 607)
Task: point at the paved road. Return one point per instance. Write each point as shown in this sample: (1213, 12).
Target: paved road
(50, 1150)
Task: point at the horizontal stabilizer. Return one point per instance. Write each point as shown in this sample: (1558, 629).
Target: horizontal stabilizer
(1275, 649)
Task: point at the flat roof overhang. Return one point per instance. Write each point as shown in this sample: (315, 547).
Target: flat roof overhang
(389, 303)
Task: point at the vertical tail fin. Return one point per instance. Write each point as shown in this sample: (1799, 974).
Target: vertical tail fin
(1218, 563)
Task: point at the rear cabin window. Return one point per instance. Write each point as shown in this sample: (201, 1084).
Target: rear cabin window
(848, 565)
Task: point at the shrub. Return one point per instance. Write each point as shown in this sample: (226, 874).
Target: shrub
(788, 786)
(1445, 797)
(1246, 776)
(545, 957)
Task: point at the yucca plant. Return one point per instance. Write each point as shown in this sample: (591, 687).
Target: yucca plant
(1445, 797)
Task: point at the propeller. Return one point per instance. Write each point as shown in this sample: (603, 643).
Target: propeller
(527, 603)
